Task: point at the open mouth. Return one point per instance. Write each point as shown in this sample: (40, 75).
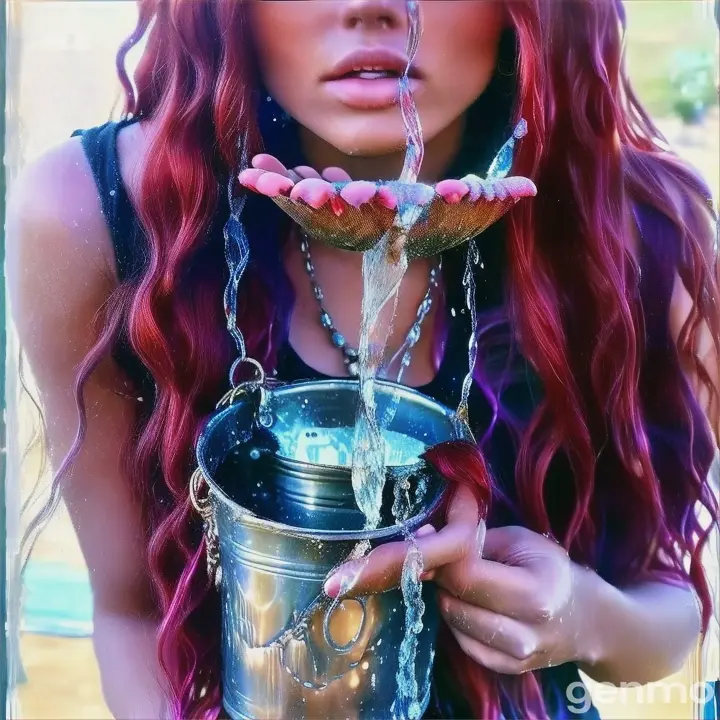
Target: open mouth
(368, 79)
(371, 74)
(372, 64)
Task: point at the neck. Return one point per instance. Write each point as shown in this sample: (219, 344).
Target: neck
(440, 152)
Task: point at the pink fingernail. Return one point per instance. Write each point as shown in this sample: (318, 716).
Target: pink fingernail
(387, 198)
(272, 184)
(250, 176)
(332, 586)
(452, 191)
(313, 192)
(343, 579)
(358, 193)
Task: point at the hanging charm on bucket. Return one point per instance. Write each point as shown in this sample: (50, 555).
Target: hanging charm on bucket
(203, 506)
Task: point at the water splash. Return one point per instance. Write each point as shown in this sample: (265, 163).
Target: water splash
(415, 150)
(407, 703)
(383, 269)
(237, 252)
(473, 258)
(381, 280)
(502, 164)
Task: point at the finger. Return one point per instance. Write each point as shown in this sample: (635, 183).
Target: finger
(496, 587)
(382, 568)
(502, 543)
(250, 176)
(272, 184)
(488, 190)
(476, 186)
(422, 194)
(345, 579)
(491, 629)
(269, 163)
(359, 192)
(452, 191)
(314, 191)
(425, 530)
(336, 175)
(307, 173)
(494, 660)
(501, 191)
(294, 176)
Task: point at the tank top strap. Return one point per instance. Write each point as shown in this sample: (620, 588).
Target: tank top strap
(100, 147)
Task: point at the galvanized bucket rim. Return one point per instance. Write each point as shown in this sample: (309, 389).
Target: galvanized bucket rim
(296, 388)
(253, 520)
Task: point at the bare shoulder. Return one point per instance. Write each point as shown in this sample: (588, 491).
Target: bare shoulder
(54, 217)
(60, 261)
(55, 209)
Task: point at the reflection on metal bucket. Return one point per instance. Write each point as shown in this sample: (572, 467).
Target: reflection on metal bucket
(283, 525)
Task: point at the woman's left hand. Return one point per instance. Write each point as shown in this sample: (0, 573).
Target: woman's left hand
(521, 606)
(512, 598)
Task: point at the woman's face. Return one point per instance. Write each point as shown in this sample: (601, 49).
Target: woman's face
(333, 65)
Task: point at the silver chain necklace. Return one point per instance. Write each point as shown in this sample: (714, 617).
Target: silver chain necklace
(350, 354)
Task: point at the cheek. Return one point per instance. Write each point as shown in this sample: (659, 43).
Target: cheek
(281, 62)
(462, 39)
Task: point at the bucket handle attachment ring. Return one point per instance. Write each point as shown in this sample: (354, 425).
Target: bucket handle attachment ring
(327, 634)
(203, 506)
(238, 390)
(259, 378)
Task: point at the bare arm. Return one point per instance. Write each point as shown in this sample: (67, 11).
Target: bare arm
(653, 627)
(639, 634)
(61, 272)
(649, 630)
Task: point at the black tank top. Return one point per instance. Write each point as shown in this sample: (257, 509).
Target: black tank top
(659, 262)
(130, 247)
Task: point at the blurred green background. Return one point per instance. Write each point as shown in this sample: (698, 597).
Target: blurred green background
(661, 34)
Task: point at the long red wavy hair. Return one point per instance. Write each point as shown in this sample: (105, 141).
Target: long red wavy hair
(572, 304)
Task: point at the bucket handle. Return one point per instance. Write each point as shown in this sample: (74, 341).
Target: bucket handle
(199, 488)
(200, 498)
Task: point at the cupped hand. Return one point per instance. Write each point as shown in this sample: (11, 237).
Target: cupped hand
(512, 598)
(268, 176)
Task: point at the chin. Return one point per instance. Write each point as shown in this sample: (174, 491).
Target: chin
(373, 138)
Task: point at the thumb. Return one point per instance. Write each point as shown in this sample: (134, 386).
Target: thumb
(500, 542)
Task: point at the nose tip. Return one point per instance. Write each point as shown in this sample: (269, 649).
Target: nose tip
(374, 14)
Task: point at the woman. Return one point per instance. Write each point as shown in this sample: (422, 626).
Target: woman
(599, 296)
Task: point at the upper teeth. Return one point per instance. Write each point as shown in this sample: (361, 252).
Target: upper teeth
(373, 71)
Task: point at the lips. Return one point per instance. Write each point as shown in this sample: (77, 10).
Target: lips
(371, 64)
(368, 79)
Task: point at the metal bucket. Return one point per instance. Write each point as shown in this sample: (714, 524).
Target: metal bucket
(282, 524)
